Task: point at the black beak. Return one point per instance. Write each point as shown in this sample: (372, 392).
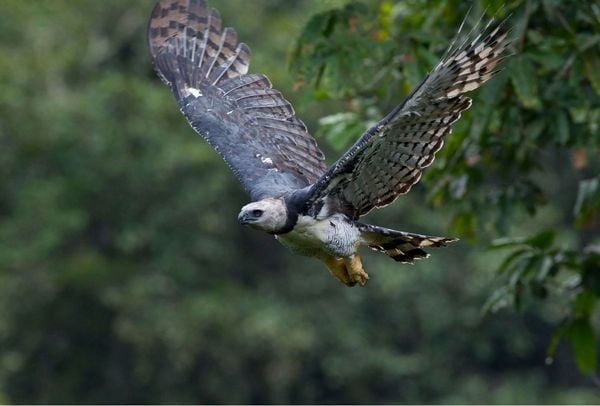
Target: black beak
(244, 218)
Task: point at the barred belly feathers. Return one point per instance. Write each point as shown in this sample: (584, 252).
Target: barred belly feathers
(310, 208)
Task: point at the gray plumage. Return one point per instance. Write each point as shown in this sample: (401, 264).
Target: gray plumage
(250, 124)
(310, 208)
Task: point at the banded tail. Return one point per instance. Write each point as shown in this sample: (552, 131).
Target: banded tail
(401, 246)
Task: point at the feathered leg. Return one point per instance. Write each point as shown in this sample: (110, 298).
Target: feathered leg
(348, 270)
(337, 267)
(355, 270)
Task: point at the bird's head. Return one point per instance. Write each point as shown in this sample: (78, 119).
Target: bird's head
(268, 215)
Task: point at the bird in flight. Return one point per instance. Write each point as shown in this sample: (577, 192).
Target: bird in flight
(309, 207)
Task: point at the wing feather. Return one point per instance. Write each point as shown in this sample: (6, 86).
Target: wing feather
(247, 81)
(250, 124)
(391, 156)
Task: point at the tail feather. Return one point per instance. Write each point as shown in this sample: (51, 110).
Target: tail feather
(401, 246)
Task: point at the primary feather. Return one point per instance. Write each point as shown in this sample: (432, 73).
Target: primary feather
(248, 123)
(391, 156)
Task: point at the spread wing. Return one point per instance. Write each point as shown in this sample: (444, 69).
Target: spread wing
(249, 124)
(391, 156)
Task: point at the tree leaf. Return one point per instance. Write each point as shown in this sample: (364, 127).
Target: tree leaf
(501, 297)
(535, 128)
(512, 258)
(522, 73)
(507, 242)
(588, 199)
(340, 128)
(592, 70)
(458, 186)
(543, 240)
(591, 276)
(582, 339)
(562, 128)
(585, 302)
(546, 268)
(554, 341)
(464, 225)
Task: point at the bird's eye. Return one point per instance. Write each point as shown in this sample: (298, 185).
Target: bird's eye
(257, 213)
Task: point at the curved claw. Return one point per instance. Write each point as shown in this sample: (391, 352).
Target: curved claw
(349, 270)
(355, 270)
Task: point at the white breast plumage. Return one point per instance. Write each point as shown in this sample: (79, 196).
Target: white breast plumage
(334, 235)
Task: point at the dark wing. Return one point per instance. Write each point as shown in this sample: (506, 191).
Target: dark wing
(390, 157)
(248, 123)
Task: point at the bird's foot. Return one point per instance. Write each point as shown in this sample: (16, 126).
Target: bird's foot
(348, 270)
(337, 267)
(355, 270)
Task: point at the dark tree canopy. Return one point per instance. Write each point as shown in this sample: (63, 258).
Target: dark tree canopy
(527, 152)
(124, 276)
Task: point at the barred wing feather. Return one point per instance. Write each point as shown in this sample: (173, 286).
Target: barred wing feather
(391, 156)
(248, 123)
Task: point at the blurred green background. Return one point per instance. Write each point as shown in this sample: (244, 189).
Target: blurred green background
(124, 276)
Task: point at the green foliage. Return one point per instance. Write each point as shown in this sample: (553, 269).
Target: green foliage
(587, 205)
(537, 266)
(337, 31)
(508, 158)
(125, 278)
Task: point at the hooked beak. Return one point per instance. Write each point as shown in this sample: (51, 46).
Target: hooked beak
(244, 218)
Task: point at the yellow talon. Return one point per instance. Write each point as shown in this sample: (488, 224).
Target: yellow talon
(356, 271)
(348, 270)
(337, 267)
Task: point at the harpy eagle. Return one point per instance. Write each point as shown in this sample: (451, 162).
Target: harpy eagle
(309, 207)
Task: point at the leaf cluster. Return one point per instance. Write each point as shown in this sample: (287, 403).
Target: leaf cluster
(528, 147)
